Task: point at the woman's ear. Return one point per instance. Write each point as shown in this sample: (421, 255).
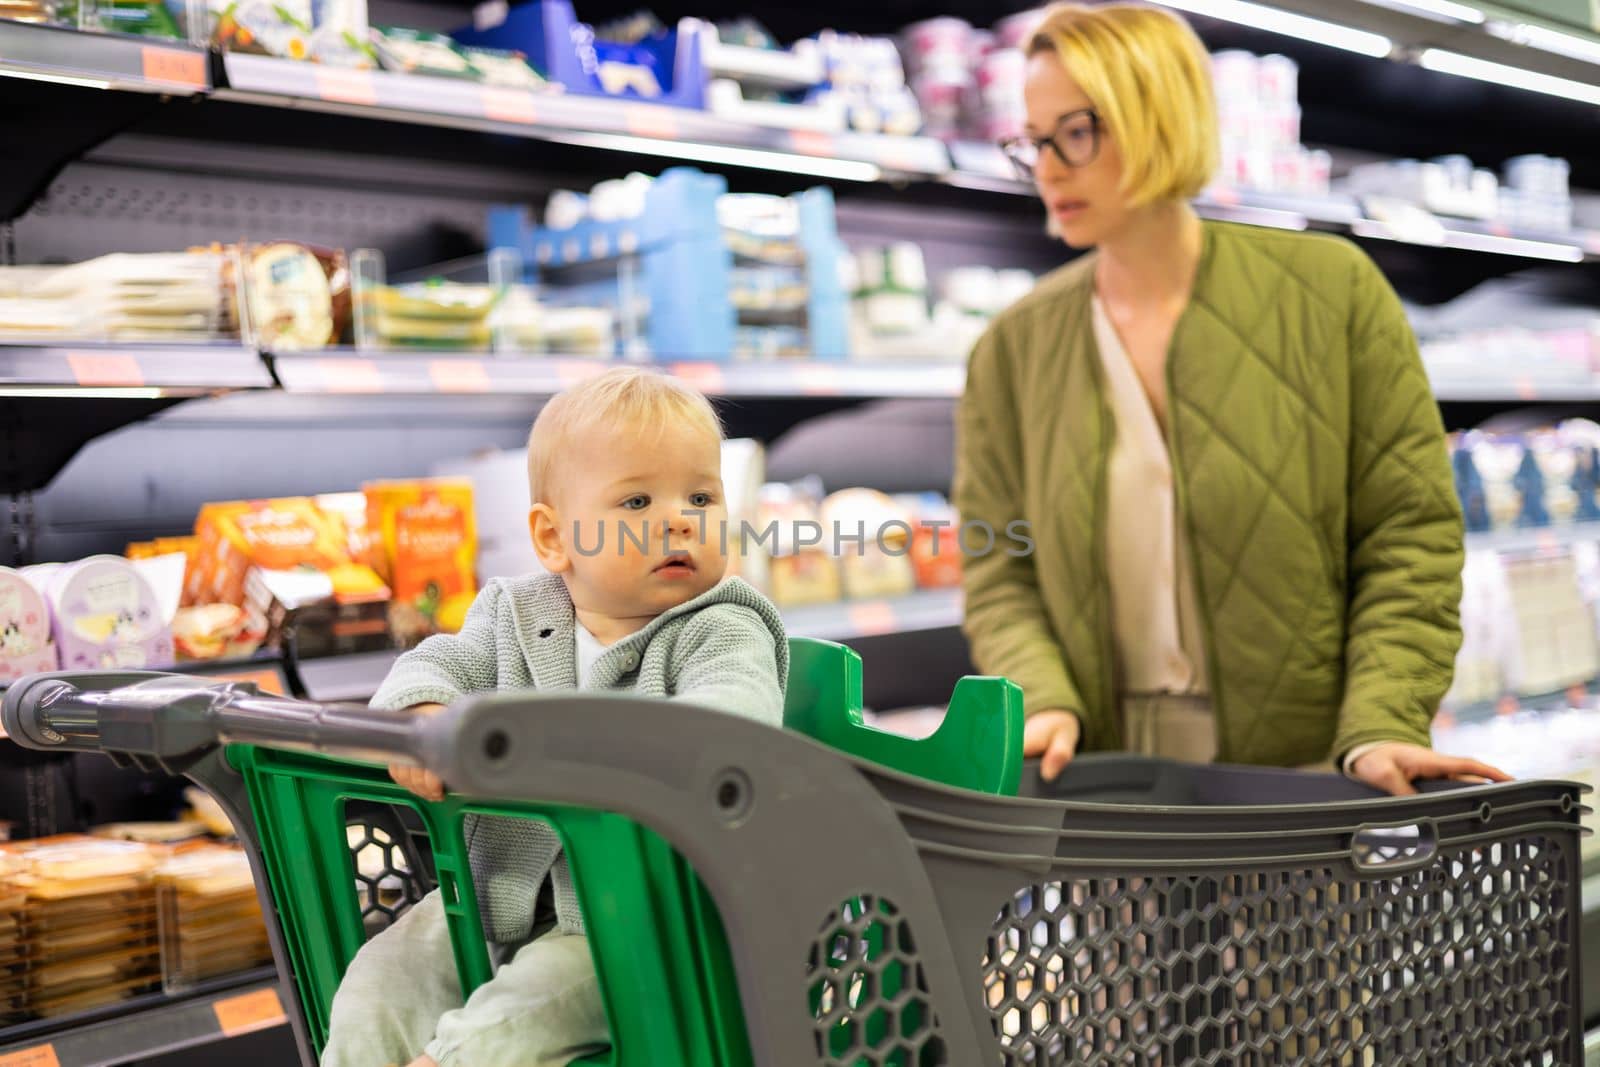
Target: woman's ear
(544, 527)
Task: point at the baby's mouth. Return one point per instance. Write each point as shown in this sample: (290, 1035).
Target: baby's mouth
(677, 563)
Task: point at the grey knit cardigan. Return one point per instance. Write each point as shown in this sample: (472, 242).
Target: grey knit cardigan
(724, 650)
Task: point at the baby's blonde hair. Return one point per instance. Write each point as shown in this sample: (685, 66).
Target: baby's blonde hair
(632, 398)
(1149, 78)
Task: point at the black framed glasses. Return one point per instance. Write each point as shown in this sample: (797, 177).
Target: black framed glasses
(1076, 143)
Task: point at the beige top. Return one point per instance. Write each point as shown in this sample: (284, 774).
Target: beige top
(1155, 617)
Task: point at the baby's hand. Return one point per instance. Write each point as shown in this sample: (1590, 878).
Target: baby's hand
(423, 783)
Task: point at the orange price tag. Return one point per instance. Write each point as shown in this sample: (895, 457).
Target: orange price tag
(350, 376)
(459, 376)
(249, 1011)
(174, 66)
(509, 105)
(812, 143)
(645, 120)
(346, 86)
(266, 681)
(706, 377)
(95, 369)
(37, 1056)
(872, 617)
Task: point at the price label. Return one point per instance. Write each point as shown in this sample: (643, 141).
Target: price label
(501, 104)
(174, 66)
(872, 617)
(459, 376)
(249, 1011)
(706, 377)
(346, 86)
(647, 121)
(268, 681)
(350, 376)
(817, 379)
(812, 143)
(37, 1056)
(96, 369)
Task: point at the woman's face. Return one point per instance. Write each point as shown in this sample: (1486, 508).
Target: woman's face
(1085, 203)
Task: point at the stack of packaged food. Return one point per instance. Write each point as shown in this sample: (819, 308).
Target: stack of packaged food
(121, 297)
(210, 916)
(86, 928)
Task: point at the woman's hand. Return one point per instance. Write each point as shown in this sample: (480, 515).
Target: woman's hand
(1054, 735)
(423, 783)
(1393, 766)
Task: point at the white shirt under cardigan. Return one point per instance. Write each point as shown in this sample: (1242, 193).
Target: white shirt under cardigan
(1155, 615)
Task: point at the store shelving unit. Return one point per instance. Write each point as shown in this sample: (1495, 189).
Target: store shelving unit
(103, 61)
(167, 370)
(150, 1026)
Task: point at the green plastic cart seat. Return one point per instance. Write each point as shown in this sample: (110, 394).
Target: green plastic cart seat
(666, 974)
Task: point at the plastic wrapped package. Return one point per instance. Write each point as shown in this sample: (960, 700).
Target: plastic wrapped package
(210, 918)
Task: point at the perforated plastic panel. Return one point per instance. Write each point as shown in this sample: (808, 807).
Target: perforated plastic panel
(1463, 962)
(392, 873)
(867, 991)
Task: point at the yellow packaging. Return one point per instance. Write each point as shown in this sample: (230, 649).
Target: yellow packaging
(427, 539)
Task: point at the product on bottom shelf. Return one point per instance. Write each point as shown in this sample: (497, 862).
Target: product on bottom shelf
(87, 921)
(210, 916)
(426, 533)
(26, 645)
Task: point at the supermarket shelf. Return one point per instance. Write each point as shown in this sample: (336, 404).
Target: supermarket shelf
(102, 61)
(149, 1026)
(357, 677)
(638, 127)
(412, 374)
(1518, 389)
(982, 166)
(145, 370)
(1535, 539)
(929, 609)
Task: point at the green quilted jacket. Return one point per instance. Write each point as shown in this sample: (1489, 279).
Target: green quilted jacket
(1312, 474)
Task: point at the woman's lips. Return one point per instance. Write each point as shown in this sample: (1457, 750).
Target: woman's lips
(1068, 209)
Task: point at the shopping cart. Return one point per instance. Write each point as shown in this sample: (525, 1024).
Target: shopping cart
(815, 900)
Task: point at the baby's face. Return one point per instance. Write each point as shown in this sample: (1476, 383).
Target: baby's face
(642, 517)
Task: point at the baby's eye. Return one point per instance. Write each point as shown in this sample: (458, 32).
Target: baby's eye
(701, 500)
(638, 502)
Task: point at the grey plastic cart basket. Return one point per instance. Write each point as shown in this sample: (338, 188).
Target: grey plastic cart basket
(1136, 912)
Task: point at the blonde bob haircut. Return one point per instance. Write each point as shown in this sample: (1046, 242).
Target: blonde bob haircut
(624, 399)
(1149, 78)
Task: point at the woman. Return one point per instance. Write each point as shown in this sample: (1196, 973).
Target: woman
(1248, 547)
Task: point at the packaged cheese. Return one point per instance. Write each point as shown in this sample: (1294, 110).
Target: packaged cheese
(429, 546)
(873, 536)
(25, 639)
(107, 616)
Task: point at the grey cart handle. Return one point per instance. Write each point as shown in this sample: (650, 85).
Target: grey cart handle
(169, 720)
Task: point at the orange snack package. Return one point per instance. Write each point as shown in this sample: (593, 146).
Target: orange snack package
(287, 534)
(427, 539)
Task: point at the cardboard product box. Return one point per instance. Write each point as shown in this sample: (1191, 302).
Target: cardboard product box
(287, 534)
(427, 530)
(301, 608)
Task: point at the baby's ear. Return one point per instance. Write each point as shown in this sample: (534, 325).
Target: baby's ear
(544, 527)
